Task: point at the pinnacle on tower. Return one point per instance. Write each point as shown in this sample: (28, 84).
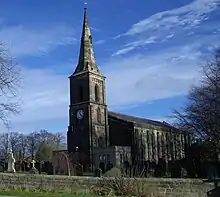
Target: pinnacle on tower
(86, 57)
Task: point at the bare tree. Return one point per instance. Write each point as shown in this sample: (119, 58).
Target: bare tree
(22, 146)
(54, 139)
(43, 135)
(4, 144)
(58, 140)
(32, 143)
(47, 137)
(9, 83)
(14, 138)
(201, 115)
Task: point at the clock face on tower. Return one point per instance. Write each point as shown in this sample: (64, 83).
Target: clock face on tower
(79, 114)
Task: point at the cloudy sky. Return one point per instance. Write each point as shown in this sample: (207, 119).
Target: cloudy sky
(150, 52)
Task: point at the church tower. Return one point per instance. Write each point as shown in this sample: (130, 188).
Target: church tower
(88, 120)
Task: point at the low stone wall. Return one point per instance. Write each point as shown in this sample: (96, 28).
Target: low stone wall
(155, 186)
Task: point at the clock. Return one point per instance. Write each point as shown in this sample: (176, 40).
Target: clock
(80, 114)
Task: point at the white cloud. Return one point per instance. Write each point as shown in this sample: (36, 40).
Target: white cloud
(35, 41)
(99, 42)
(45, 99)
(189, 15)
(130, 46)
(165, 25)
(44, 92)
(159, 75)
(123, 51)
(130, 82)
(167, 119)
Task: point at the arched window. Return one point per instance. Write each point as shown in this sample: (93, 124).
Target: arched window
(172, 150)
(87, 65)
(80, 93)
(153, 145)
(158, 146)
(96, 93)
(168, 145)
(90, 39)
(99, 120)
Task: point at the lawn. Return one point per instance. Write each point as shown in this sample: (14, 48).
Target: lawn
(20, 193)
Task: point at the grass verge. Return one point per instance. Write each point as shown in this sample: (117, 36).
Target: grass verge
(38, 193)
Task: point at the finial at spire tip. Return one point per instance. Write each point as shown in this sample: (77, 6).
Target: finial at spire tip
(85, 4)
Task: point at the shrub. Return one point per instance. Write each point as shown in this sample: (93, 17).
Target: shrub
(100, 191)
(115, 182)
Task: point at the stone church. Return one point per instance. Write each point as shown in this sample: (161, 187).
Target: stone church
(97, 136)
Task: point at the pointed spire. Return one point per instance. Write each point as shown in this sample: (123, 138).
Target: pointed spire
(86, 57)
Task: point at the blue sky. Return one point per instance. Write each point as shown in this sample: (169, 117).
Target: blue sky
(150, 52)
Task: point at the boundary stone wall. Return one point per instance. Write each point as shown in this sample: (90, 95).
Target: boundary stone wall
(156, 186)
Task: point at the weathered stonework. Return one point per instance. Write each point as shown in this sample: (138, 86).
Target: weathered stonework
(87, 93)
(149, 140)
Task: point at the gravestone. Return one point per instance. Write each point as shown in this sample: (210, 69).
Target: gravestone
(11, 163)
(98, 172)
(33, 163)
(78, 169)
(33, 170)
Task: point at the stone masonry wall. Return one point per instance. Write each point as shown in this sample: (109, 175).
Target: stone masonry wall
(164, 187)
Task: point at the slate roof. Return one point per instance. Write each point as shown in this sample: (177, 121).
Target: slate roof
(139, 120)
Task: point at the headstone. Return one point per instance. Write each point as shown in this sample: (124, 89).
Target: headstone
(98, 172)
(11, 162)
(33, 163)
(78, 169)
(33, 170)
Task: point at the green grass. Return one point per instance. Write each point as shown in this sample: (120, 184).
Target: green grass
(39, 193)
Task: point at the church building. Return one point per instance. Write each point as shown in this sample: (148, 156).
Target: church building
(97, 136)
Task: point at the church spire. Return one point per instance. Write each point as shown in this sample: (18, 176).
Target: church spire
(86, 57)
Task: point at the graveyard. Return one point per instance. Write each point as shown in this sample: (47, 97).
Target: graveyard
(144, 124)
(113, 182)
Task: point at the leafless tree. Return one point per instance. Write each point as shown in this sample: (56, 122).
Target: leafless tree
(201, 115)
(47, 137)
(14, 142)
(54, 139)
(58, 140)
(43, 135)
(22, 146)
(9, 83)
(32, 143)
(4, 144)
